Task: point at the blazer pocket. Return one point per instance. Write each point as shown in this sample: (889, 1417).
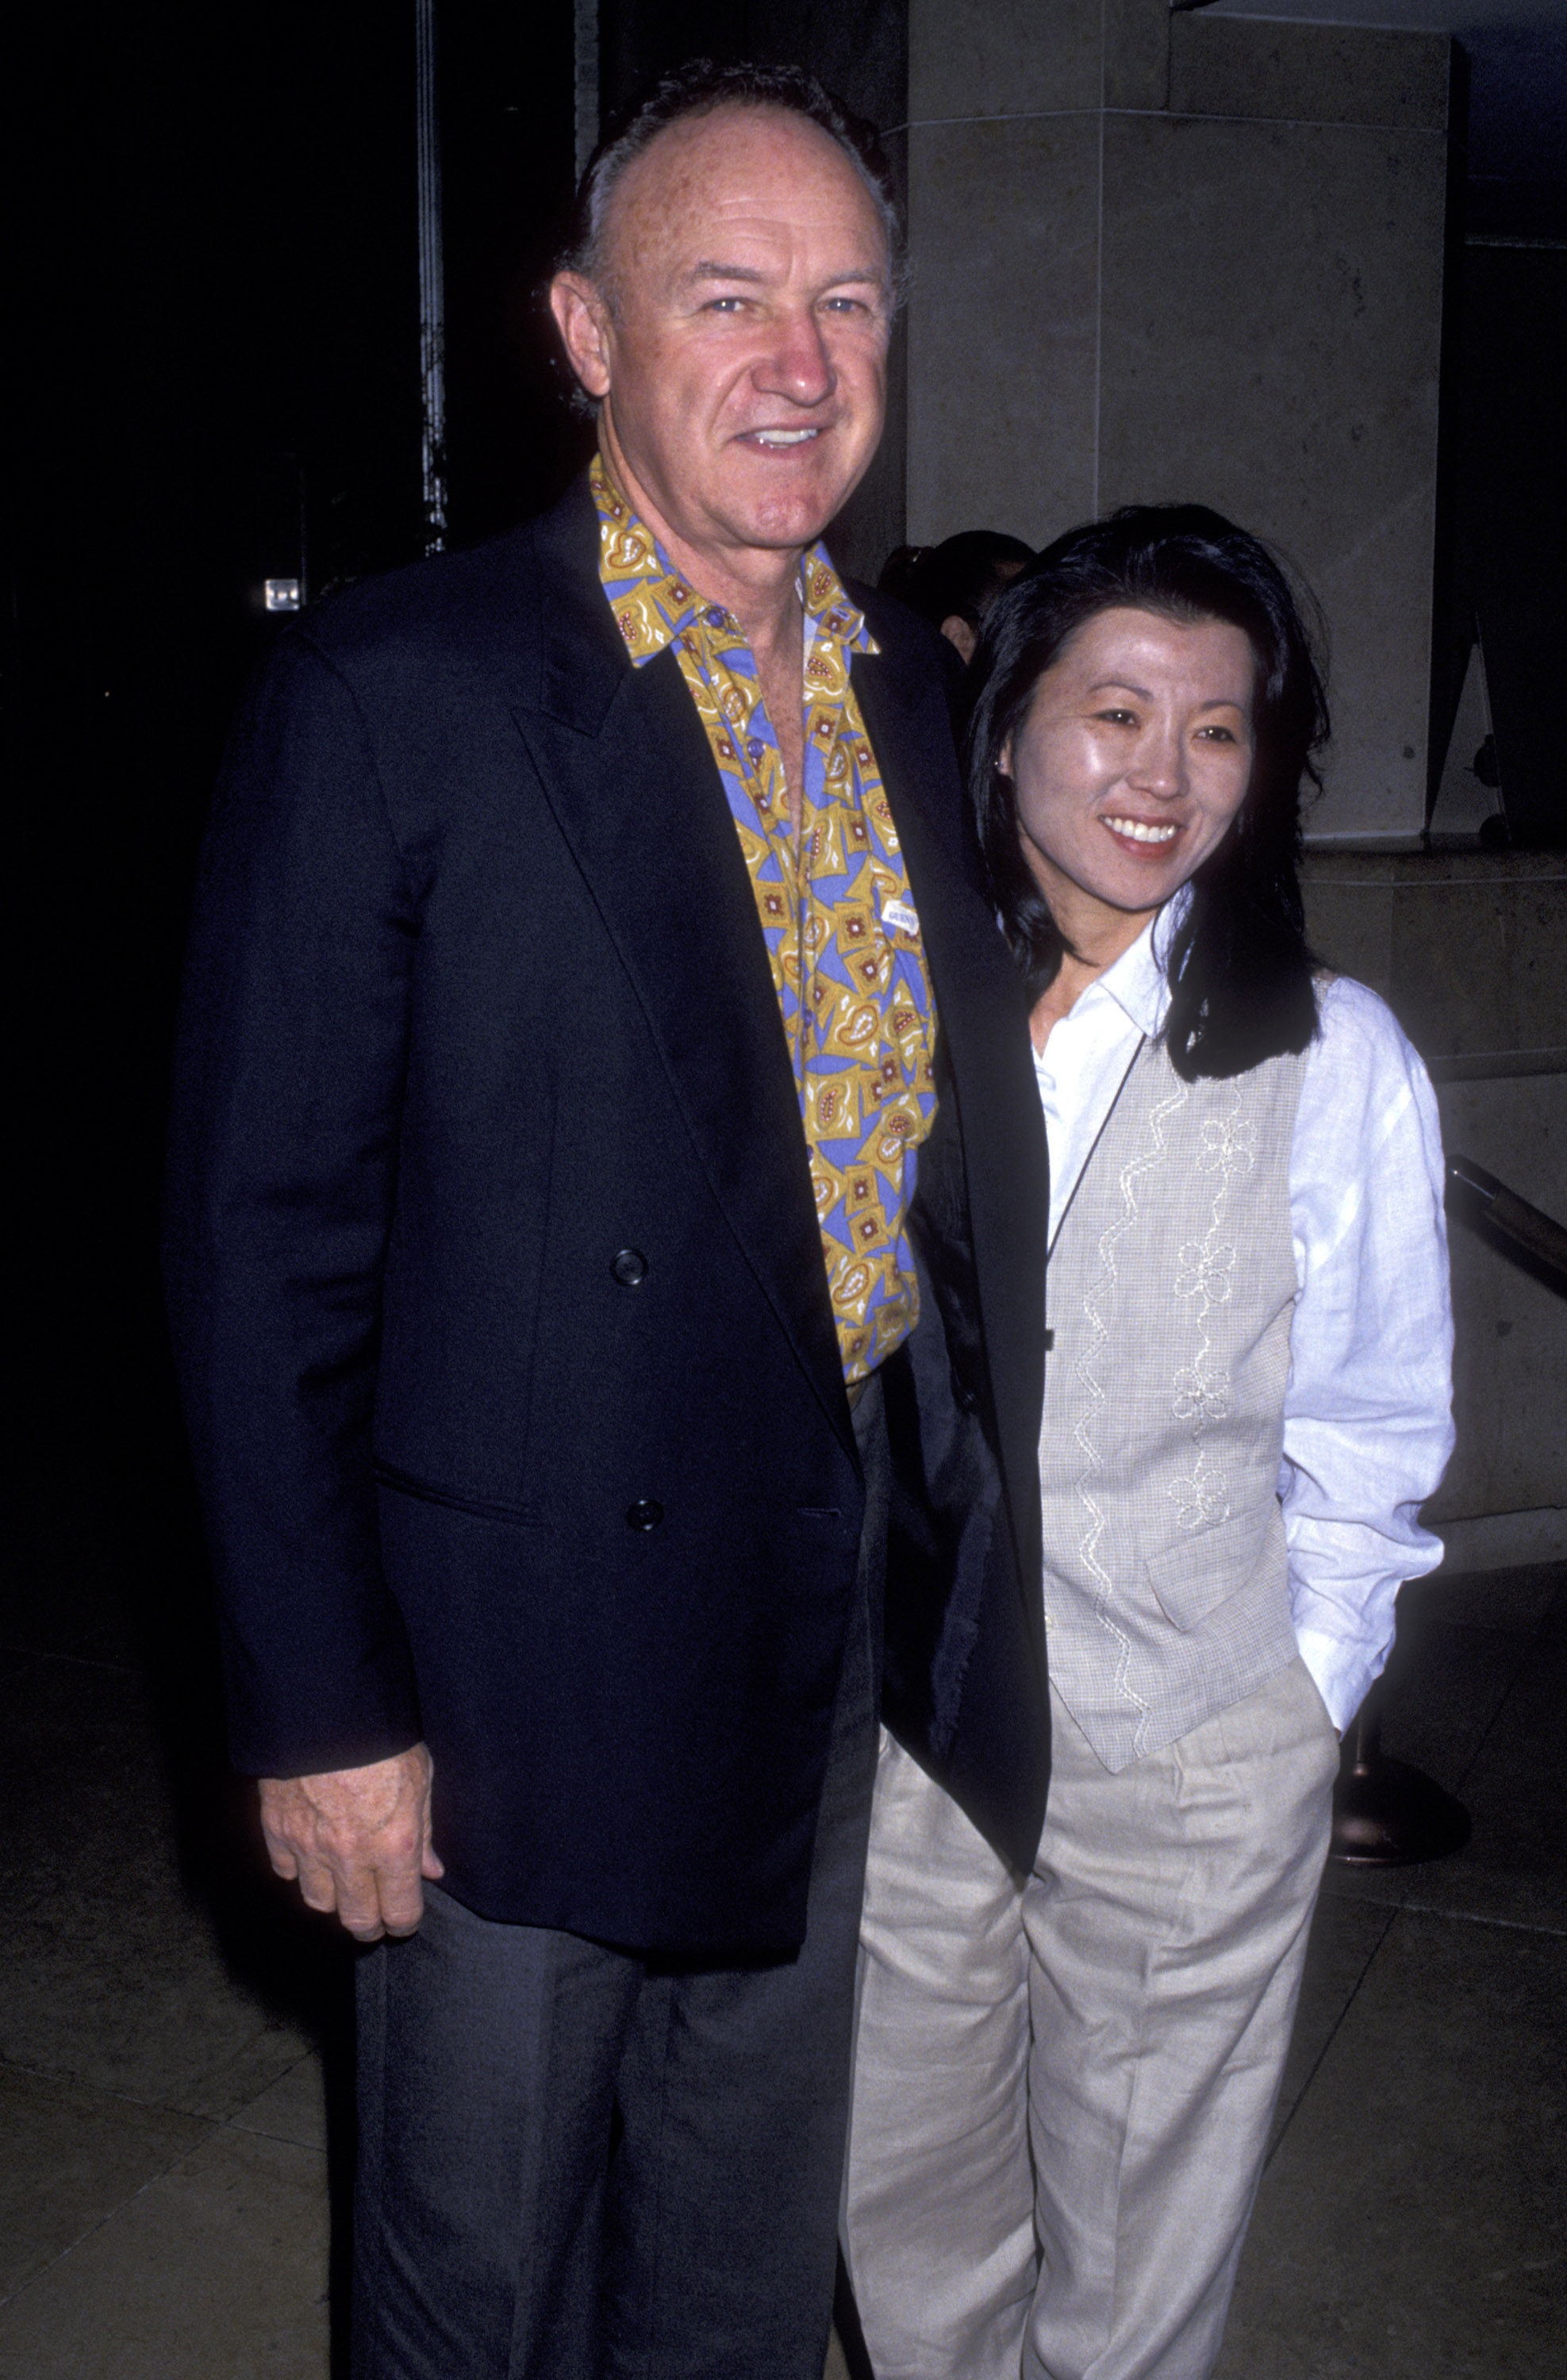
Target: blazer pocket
(1194, 1577)
(479, 1507)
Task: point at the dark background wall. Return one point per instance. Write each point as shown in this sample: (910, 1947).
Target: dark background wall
(1504, 496)
(217, 328)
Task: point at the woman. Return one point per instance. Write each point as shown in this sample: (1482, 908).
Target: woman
(1065, 2081)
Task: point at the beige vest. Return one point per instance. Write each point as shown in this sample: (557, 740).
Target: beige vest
(1171, 1289)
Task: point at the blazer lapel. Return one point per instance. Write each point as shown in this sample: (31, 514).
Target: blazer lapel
(626, 768)
(982, 1014)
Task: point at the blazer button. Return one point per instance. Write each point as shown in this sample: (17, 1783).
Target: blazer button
(966, 1399)
(644, 1515)
(630, 1267)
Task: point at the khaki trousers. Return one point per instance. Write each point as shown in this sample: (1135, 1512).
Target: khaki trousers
(1064, 2084)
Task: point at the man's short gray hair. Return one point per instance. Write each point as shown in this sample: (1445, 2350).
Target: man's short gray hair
(697, 88)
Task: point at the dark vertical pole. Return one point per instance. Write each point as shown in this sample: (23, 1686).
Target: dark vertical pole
(432, 283)
(584, 80)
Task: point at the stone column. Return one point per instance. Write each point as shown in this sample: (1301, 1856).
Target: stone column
(1193, 258)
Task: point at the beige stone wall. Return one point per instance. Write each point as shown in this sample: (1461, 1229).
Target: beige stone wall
(1468, 949)
(1193, 258)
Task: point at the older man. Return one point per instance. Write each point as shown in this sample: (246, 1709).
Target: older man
(587, 945)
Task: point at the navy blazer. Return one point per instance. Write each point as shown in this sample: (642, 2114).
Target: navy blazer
(495, 1279)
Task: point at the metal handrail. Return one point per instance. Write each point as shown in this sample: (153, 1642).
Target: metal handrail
(1478, 1198)
(1385, 1813)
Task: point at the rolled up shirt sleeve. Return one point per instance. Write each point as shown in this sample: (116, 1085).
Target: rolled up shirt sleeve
(1369, 1412)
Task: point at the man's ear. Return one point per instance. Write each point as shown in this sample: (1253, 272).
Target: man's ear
(583, 320)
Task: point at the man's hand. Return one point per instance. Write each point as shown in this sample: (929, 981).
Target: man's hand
(357, 1839)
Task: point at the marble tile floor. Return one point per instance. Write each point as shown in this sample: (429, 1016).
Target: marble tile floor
(172, 2038)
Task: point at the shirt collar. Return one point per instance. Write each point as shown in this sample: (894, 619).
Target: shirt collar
(1137, 980)
(633, 563)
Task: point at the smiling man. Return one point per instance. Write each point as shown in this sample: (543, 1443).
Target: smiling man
(588, 964)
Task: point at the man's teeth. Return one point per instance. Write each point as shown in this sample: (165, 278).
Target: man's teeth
(785, 437)
(1138, 832)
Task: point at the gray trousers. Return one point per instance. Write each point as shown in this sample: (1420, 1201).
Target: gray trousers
(574, 2163)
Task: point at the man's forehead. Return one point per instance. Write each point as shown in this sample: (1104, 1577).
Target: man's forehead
(745, 168)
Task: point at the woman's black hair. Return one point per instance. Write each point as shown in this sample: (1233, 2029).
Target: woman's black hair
(959, 580)
(1239, 969)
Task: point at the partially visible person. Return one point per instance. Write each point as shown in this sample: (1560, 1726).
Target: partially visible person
(1065, 2077)
(954, 585)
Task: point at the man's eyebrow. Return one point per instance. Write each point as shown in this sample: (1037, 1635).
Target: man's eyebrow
(709, 269)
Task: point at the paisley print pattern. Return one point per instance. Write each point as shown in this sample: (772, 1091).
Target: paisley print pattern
(842, 934)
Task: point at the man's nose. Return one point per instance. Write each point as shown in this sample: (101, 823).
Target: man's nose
(797, 364)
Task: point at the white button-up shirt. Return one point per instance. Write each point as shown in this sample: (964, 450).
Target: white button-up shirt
(1368, 1413)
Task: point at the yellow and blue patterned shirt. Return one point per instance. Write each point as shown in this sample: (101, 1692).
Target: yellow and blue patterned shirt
(842, 935)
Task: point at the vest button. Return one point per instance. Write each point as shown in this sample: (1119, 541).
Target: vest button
(630, 1267)
(644, 1515)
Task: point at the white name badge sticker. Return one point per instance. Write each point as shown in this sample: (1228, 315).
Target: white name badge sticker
(899, 913)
